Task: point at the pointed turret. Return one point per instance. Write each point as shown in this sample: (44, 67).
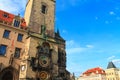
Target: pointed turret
(111, 65)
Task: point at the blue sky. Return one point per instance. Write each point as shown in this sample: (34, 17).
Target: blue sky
(90, 27)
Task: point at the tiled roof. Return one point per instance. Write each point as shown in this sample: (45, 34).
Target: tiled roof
(23, 23)
(94, 70)
(9, 18)
(111, 65)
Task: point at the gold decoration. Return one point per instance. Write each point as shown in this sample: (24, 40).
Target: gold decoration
(43, 75)
(44, 61)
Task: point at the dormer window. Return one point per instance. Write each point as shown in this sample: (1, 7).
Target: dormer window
(16, 23)
(44, 9)
(5, 15)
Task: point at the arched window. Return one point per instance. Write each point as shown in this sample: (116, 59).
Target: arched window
(43, 8)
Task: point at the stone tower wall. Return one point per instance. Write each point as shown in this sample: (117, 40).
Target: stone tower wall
(35, 18)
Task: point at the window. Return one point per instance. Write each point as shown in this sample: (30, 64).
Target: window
(17, 52)
(20, 37)
(3, 49)
(16, 23)
(44, 9)
(6, 34)
(5, 15)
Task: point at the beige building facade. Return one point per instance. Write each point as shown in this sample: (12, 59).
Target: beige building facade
(93, 74)
(30, 49)
(112, 72)
(12, 44)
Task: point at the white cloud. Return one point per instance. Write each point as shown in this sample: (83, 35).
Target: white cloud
(114, 60)
(112, 13)
(73, 47)
(117, 61)
(89, 46)
(13, 6)
(110, 58)
(70, 43)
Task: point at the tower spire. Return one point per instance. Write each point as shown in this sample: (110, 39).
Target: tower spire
(58, 32)
(111, 65)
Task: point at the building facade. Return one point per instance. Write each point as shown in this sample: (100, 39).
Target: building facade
(112, 72)
(12, 44)
(93, 74)
(30, 49)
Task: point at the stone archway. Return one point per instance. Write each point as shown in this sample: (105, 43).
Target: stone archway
(9, 73)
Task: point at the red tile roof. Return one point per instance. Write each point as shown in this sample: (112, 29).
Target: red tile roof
(8, 17)
(23, 23)
(95, 71)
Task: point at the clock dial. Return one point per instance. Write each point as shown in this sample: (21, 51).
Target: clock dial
(43, 75)
(23, 67)
(44, 61)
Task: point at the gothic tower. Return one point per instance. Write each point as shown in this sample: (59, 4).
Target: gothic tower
(46, 48)
(40, 13)
(30, 49)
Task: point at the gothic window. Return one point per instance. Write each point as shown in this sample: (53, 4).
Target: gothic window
(3, 49)
(46, 47)
(20, 37)
(16, 23)
(17, 52)
(44, 9)
(40, 49)
(6, 34)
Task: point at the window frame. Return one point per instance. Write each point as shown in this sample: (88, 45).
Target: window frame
(16, 23)
(6, 34)
(4, 52)
(20, 37)
(44, 8)
(17, 54)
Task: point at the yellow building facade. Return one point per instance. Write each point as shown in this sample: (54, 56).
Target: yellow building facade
(112, 72)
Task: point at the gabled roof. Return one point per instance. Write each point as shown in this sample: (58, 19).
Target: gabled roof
(96, 70)
(111, 65)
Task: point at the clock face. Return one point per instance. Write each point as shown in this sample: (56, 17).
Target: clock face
(43, 75)
(44, 61)
(23, 67)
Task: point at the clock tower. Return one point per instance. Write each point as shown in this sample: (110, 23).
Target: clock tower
(40, 13)
(46, 48)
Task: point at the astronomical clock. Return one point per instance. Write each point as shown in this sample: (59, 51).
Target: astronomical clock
(42, 62)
